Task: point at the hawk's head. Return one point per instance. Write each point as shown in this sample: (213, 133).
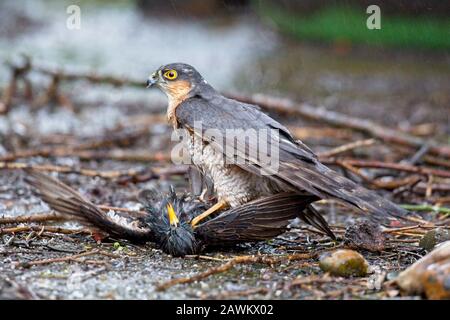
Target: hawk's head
(176, 80)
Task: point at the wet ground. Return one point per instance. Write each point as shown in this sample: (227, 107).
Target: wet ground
(403, 89)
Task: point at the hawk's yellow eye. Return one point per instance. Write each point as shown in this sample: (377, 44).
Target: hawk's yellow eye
(171, 74)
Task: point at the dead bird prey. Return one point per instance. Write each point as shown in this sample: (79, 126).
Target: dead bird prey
(167, 221)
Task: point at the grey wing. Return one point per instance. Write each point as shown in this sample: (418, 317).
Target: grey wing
(297, 166)
(199, 183)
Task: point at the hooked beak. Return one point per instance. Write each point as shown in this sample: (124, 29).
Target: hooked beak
(152, 80)
(173, 219)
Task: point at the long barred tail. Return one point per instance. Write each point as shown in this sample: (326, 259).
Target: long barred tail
(318, 179)
(368, 201)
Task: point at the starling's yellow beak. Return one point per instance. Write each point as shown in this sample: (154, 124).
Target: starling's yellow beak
(173, 219)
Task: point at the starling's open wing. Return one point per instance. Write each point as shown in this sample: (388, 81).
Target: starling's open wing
(261, 219)
(67, 201)
(298, 167)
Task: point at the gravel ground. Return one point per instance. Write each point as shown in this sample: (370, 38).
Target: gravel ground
(404, 90)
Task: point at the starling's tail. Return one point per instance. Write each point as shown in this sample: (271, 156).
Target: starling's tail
(314, 218)
(67, 201)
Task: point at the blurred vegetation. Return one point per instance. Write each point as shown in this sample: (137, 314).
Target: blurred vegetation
(346, 23)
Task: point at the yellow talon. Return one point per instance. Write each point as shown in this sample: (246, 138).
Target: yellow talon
(219, 205)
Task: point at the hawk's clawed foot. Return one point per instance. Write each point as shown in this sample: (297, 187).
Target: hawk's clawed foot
(219, 205)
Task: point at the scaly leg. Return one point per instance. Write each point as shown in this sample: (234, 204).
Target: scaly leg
(219, 205)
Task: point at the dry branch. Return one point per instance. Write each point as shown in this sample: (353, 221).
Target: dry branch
(235, 261)
(108, 140)
(41, 229)
(112, 174)
(33, 218)
(71, 258)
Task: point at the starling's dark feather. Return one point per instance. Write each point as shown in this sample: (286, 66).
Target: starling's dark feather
(257, 220)
(299, 168)
(311, 216)
(67, 201)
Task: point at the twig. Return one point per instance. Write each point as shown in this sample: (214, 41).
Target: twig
(121, 155)
(394, 230)
(34, 218)
(90, 77)
(202, 257)
(109, 140)
(230, 264)
(153, 173)
(74, 257)
(418, 156)
(17, 72)
(71, 258)
(346, 147)
(44, 228)
(241, 293)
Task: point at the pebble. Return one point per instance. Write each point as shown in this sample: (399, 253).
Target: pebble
(344, 263)
(365, 235)
(434, 237)
(429, 276)
(436, 281)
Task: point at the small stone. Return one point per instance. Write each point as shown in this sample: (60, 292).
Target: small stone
(429, 276)
(434, 237)
(436, 281)
(365, 235)
(266, 276)
(344, 263)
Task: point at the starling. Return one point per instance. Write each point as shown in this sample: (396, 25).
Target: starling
(168, 217)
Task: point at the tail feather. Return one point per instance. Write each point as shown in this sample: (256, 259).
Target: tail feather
(323, 182)
(366, 200)
(67, 201)
(311, 216)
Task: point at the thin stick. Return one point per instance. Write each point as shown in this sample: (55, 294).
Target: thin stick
(90, 172)
(241, 293)
(74, 257)
(34, 218)
(202, 257)
(44, 228)
(108, 140)
(230, 264)
(71, 258)
(346, 147)
(90, 77)
(400, 229)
